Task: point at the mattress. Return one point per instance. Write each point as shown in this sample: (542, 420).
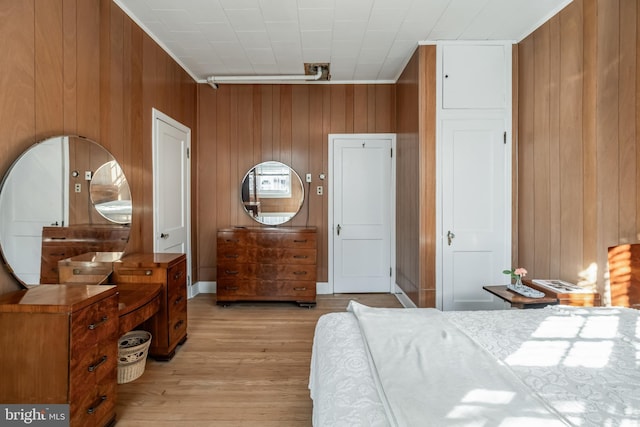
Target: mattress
(582, 363)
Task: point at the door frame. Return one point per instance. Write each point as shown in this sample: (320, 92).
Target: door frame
(158, 115)
(392, 214)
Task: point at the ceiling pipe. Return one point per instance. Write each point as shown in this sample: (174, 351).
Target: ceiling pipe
(213, 81)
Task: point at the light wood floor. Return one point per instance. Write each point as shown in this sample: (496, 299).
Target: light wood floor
(242, 365)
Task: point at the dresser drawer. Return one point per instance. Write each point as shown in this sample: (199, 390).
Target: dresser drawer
(268, 271)
(229, 253)
(286, 240)
(266, 290)
(285, 255)
(177, 325)
(94, 324)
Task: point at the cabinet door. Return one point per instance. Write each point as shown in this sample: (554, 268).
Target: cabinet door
(474, 77)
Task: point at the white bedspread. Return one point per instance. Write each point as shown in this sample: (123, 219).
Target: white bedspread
(581, 363)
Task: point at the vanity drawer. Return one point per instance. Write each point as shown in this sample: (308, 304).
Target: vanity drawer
(91, 366)
(122, 274)
(285, 255)
(95, 408)
(95, 324)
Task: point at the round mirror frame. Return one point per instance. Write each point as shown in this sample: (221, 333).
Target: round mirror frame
(276, 198)
(64, 165)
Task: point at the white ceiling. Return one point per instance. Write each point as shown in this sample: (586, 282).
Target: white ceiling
(364, 40)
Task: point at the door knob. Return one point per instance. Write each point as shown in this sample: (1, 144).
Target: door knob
(450, 236)
(164, 236)
(338, 228)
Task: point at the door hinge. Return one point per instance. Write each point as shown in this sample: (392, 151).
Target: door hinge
(505, 137)
(188, 152)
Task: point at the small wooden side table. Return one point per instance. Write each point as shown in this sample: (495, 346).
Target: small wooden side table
(519, 301)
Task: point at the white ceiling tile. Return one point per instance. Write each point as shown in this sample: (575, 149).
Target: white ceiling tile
(200, 10)
(386, 19)
(371, 56)
(282, 31)
(353, 10)
(367, 71)
(349, 30)
(218, 32)
(261, 56)
(279, 10)
(379, 40)
(245, 19)
(254, 39)
(402, 49)
(316, 19)
(175, 20)
(318, 4)
(239, 4)
(316, 55)
(344, 48)
(162, 4)
(316, 39)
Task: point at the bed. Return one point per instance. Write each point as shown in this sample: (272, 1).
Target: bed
(558, 365)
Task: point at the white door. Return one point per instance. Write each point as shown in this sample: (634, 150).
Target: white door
(35, 196)
(362, 198)
(171, 187)
(474, 212)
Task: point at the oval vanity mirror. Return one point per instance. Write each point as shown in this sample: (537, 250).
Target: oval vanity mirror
(47, 214)
(272, 193)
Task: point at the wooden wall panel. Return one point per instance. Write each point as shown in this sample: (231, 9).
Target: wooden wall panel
(578, 103)
(83, 67)
(294, 124)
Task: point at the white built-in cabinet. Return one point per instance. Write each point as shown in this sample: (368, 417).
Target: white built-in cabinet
(473, 150)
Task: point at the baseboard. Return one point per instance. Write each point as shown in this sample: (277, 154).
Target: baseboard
(323, 288)
(404, 299)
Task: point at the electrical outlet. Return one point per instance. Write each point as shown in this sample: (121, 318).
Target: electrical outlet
(308, 177)
(78, 188)
(319, 190)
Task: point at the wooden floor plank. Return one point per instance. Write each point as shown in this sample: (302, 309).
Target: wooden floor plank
(245, 365)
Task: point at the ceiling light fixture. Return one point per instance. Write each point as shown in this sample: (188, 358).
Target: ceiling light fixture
(315, 72)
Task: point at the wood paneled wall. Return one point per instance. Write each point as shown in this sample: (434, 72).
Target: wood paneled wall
(416, 178)
(241, 125)
(83, 67)
(579, 152)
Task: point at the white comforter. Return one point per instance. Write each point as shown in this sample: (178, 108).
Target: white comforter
(559, 364)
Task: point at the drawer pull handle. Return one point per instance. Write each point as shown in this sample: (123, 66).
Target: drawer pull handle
(57, 238)
(94, 408)
(232, 240)
(178, 275)
(148, 272)
(98, 363)
(178, 324)
(233, 272)
(58, 254)
(178, 300)
(95, 325)
(299, 273)
(300, 256)
(299, 289)
(231, 288)
(232, 256)
(300, 241)
(76, 271)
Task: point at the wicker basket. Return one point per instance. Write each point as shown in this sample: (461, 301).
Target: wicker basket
(132, 355)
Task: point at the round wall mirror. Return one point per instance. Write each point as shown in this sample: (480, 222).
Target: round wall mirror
(47, 214)
(272, 193)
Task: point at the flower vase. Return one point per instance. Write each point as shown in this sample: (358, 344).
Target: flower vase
(519, 284)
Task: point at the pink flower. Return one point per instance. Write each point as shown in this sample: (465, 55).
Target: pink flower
(521, 272)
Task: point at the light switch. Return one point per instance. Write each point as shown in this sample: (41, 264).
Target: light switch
(308, 177)
(87, 175)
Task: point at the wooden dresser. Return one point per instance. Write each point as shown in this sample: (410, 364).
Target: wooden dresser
(62, 348)
(267, 264)
(168, 327)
